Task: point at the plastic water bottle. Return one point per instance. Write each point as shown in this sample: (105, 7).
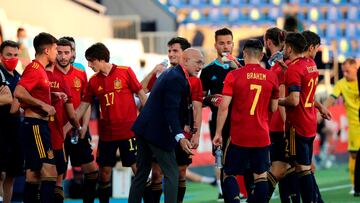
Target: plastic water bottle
(74, 136)
(279, 55)
(164, 63)
(218, 157)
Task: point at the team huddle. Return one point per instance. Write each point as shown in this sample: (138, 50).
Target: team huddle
(263, 120)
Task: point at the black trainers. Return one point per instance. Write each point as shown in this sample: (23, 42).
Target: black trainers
(220, 198)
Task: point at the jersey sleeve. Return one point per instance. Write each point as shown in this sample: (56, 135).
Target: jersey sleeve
(228, 85)
(134, 84)
(29, 79)
(89, 93)
(337, 89)
(196, 89)
(293, 79)
(205, 80)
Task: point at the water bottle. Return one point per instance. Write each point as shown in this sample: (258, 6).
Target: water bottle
(276, 57)
(74, 136)
(218, 157)
(164, 63)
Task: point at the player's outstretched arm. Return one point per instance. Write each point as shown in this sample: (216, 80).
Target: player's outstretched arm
(292, 100)
(221, 117)
(80, 111)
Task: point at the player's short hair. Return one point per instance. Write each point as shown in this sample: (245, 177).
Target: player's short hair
(223, 31)
(350, 61)
(41, 40)
(70, 39)
(8, 43)
(97, 51)
(276, 35)
(296, 41)
(253, 47)
(290, 24)
(184, 43)
(311, 38)
(64, 42)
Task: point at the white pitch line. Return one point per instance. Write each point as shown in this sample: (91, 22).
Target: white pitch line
(324, 189)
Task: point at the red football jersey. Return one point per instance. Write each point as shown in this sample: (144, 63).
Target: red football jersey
(36, 82)
(58, 84)
(76, 80)
(302, 76)
(276, 122)
(251, 88)
(196, 89)
(117, 105)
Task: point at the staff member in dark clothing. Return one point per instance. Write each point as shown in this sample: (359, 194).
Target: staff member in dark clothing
(160, 126)
(12, 160)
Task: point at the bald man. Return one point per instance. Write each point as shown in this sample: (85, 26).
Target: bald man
(159, 127)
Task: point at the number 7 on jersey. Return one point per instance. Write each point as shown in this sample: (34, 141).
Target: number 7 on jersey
(256, 99)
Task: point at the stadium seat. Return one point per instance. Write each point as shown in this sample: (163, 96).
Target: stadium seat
(198, 3)
(274, 13)
(352, 30)
(177, 3)
(237, 3)
(332, 31)
(237, 17)
(333, 14)
(353, 13)
(216, 16)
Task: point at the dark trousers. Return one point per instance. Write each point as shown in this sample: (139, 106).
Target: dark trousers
(168, 165)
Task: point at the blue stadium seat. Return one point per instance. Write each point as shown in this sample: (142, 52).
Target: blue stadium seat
(332, 31)
(177, 3)
(236, 16)
(274, 13)
(355, 2)
(198, 3)
(318, 2)
(216, 16)
(314, 14)
(353, 13)
(338, 2)
(237, 3)
(333, 13)
(195, 16)
(352, 30)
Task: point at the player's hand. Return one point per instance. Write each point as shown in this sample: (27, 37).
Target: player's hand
(159, 68)
(195, 140)
(60, 95)
(83, 132)
(325, 113)
(187, 129)
(217, 141)
(50, 110)
(283, 65)
(214, 100)
(186, 146)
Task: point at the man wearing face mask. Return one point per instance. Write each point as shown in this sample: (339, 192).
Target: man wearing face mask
(10, 121)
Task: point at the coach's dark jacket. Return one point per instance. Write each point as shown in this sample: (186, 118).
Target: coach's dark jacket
(165, 112)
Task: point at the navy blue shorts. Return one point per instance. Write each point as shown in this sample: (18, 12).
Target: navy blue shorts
(11, 151)
(60, 160)
(182, 158)
(277, 148)
(80, 153)
(239, 159)
(36, 143)
(106, 154)
(299, 149)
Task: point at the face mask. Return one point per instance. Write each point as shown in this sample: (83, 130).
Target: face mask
(10, 64)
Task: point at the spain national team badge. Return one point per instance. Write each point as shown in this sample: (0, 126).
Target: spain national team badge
(117, 85)
(77, 83)
(50, 154)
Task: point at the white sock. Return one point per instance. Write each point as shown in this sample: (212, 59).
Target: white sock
(205, 179)
(219, 186)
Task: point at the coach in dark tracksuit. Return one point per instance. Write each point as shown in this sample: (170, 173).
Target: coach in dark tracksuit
(159, 127)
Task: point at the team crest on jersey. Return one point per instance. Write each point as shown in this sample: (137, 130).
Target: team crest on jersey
(50, 154)
(117, 85)
(100, 89)
(77, 83)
